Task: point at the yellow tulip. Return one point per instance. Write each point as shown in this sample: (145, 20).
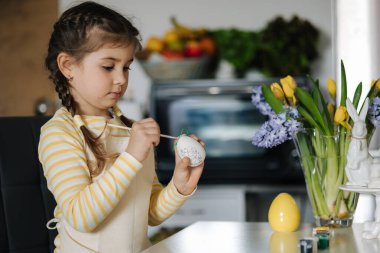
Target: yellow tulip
(377, 84)
(278, 92)
(341, 117)
(331, 87)
(289, 85)
(331, 109)
(289, 80)
(340, 114)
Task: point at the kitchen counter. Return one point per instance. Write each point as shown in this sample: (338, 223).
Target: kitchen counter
(236, 237)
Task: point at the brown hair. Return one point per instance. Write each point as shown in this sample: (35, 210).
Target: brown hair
(80, 30)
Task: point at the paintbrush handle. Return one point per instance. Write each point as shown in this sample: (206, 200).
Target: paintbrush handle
(128, 128)
(168, 136)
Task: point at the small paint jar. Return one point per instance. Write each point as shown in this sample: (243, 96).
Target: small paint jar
(323, 240)
(306, 245)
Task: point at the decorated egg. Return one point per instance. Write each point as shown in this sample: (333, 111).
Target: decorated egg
(284, 214)
(189, 147)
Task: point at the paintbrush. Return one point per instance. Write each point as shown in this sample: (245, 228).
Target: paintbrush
(128, 128)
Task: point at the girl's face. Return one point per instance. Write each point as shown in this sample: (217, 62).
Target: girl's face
(100, 79)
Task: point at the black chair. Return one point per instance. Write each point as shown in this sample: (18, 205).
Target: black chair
(25, 202)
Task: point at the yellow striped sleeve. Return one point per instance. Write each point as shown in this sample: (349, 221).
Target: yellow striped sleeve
(164, 202)
(84, 204)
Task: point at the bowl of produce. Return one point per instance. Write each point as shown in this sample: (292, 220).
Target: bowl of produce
(182, 53)
(192, 68)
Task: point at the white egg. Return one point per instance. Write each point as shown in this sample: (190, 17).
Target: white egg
(188, 147)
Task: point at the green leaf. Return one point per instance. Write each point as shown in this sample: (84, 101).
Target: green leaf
(343, 91)
(308, 117)
(314, 94)
(326, 113)
(371, 92)
(355, 101)
(271, 99)
(357, 95)
(308, 102)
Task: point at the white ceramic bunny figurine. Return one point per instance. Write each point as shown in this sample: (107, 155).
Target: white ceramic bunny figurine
(374, 151)
(358, 159)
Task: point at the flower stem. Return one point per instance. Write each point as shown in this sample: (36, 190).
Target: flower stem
(312, 177)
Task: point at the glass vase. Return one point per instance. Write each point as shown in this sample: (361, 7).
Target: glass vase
(323, 160)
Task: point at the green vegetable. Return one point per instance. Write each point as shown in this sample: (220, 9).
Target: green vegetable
(287, 47)
(237, 47)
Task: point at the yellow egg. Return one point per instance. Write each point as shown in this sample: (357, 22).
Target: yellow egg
(284, 214)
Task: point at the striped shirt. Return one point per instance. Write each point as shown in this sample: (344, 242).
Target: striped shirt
(84, 202)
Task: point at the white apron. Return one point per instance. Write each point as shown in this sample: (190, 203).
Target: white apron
(125, 229)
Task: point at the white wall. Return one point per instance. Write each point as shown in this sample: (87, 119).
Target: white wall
(358, 44)
(358, 41)
(152, 18)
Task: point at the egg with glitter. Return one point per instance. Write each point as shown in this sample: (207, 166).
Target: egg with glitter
(189, 147)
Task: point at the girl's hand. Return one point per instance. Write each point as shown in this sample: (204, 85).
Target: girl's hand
(144, 134)
(186, 178)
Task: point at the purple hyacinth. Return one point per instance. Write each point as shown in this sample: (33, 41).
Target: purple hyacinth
(258, 100)
(275, 131)
(374, 111)
(292, 112)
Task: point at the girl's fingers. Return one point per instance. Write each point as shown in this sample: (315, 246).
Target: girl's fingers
(154, 134)
(149, 122)
(155, 139)
(198, 139)
(184, 163)
(196, 173)
(152, 130)
(146, 129)
(146, 120)
(148, 126)
(194, 137)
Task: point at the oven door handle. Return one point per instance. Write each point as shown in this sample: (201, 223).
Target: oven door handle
(212, 90)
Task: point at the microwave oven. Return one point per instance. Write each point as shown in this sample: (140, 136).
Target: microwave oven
(222, 115)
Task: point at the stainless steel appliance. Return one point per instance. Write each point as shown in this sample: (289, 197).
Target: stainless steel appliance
(222, 115)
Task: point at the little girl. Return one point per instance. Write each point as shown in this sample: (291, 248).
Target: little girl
(103, 178)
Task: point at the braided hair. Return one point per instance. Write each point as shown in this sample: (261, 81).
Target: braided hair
(80, 30)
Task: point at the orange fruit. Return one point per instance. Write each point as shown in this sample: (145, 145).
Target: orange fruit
(208, 45)
(154, 44)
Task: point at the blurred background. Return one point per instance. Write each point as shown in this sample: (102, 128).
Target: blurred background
(253, 41)
(26, 25)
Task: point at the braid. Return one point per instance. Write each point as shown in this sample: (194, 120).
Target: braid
(116, 110)
(97, 149)
(62, 88)
(80, 30)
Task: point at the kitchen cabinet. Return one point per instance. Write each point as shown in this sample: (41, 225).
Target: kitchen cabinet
(237, 203)
(209, 203)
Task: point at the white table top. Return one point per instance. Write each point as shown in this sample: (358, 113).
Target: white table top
(236, 237)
